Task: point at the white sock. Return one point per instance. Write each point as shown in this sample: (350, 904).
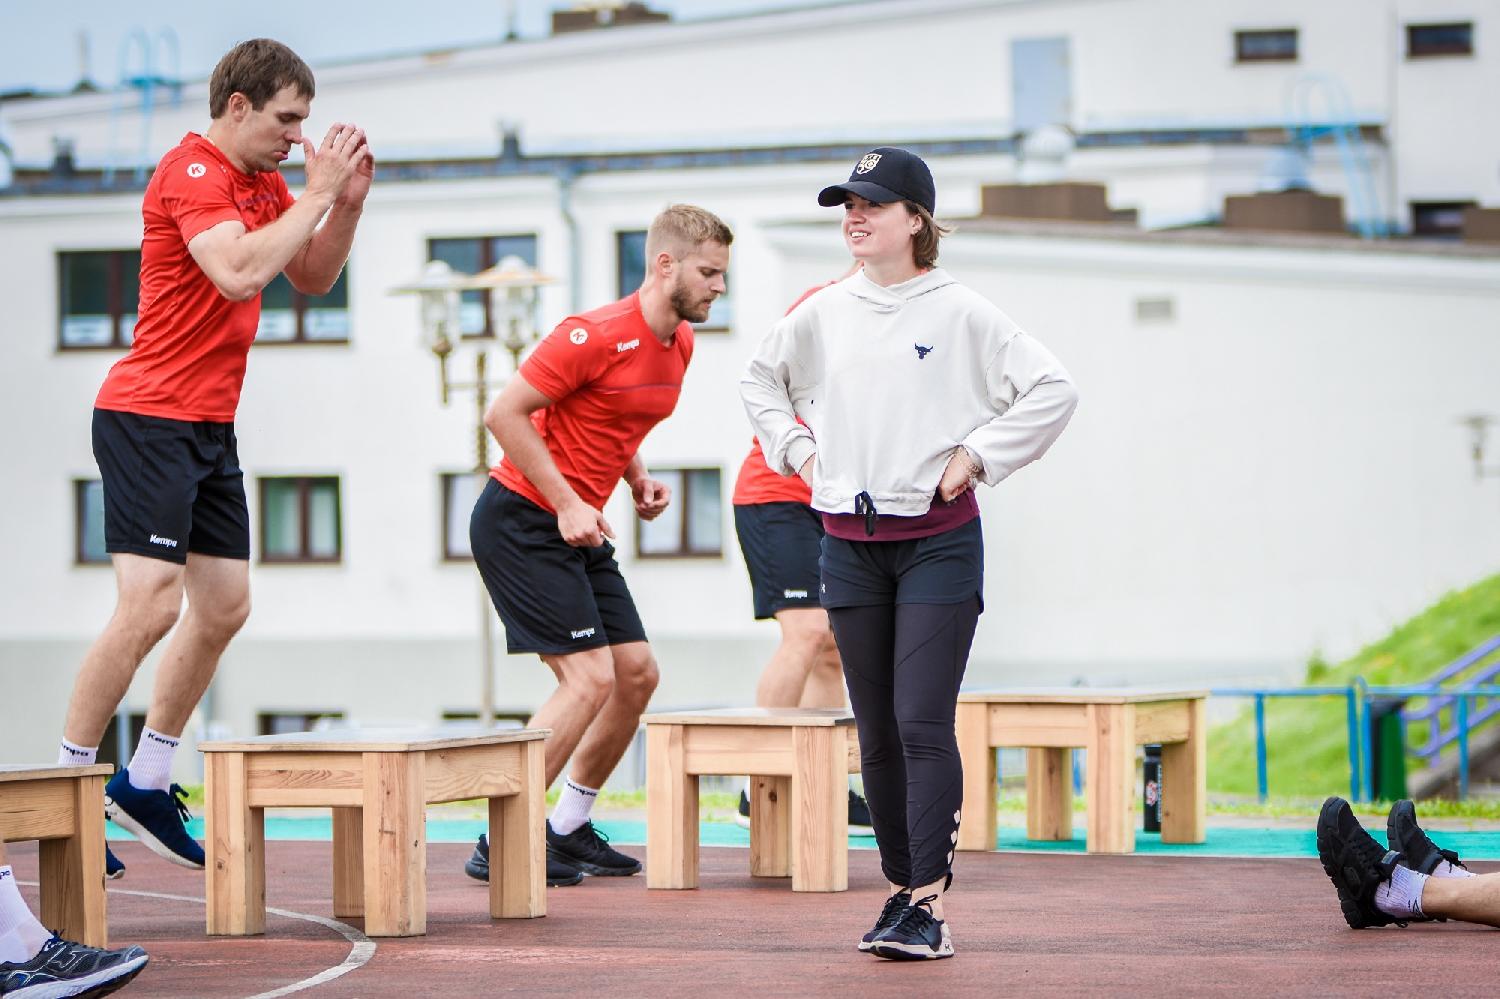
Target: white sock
(1401, 896)
(573, 806)
(21, 935)
(1447, 870)
(69, 755)
(151, 766)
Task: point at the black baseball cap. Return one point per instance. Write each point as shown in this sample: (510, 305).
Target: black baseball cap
(883, 175)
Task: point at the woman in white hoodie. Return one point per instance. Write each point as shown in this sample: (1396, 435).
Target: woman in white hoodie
(911, 390)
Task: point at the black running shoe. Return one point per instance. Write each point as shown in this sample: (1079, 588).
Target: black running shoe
(157, 818)
(742, 817)
(113, 869)
(588, 850)
(64, 968)
(1407, 838)
(918, 935)
(1355, 863)
(559, 874)
(859, 816)
(895, 906)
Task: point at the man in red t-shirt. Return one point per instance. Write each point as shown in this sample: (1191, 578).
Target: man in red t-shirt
(571, 423)
(219, 225)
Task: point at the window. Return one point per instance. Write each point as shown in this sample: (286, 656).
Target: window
(1275, 45)
(692, 525)
(109, 743)
(1155, 310)
(98, 291)
(1439, 39)
(460, 493)
(88, 502)
(630, 271)
(1438, 218)
(299, 520)
(471, 255)
(286, 722)
(288, 316)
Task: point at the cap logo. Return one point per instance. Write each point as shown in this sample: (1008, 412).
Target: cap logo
(870, 161)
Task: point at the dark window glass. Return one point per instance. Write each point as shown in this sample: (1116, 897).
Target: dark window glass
(1439, 39)
(1438, 218)
(97, 292)
(288, 722)
(88, 501)
(472, 254)
(288, 316)
(1275, 45)
(300, 520)
(460, 493)
(630, 271)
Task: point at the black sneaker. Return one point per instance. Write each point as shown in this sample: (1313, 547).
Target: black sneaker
(917, 935)
(859, 816)
(63, 968)
(157, 818)
(742, 817)
(113, 869)
(588, 850)
(559, 874)
(1407, 838)
(1355, 863)
(895, 906)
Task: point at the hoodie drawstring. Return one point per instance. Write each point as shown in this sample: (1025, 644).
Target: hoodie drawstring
(863, 504)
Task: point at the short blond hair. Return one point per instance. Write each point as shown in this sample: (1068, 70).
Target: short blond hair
(681, 229)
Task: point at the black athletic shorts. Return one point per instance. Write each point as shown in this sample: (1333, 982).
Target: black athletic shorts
(554, 598)
(171, 487)
(945, 568)
(780, 542)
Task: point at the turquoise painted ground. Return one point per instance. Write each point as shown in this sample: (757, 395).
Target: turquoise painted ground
(1222, 841)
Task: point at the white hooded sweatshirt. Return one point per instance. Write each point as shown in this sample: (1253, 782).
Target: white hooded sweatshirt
(890, 381)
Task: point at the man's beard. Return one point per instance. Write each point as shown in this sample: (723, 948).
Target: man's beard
(693, 310)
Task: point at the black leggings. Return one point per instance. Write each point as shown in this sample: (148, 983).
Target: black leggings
(904, 664)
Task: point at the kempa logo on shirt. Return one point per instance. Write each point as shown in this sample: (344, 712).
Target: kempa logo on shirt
(164, 542)
(580, 335)
(794, 594)
(196, 170)
(620, 348)
(582, 633)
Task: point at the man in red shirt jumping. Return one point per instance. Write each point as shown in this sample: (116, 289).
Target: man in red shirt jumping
(219, 226)
(571, 423)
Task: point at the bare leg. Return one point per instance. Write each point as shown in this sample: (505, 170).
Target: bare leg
(1473, 900)
(218, 602)
(825, 682)
(149, 598)
(804, 636)
(610, 734)
(585, 681)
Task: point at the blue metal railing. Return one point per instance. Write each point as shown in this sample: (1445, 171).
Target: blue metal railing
(1352, 699)
(1439, 738)
(1464, 726)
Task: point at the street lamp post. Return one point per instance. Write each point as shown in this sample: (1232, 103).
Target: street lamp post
(512, 286)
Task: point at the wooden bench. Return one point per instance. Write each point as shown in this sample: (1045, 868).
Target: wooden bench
(378, 784)
(799, 760)
(1107, 722)
(63, 807)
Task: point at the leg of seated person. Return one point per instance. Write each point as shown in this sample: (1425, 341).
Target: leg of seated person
(1472, 900)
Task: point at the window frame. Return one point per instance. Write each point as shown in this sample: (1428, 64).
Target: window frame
(487, 260)
(300, 306)
(304, 505)
(621, 291)
(1433, 232)
(446, 481)
(114, 295)
(1244, 34)
(1438, 51)
(80, 489)
(683, 496)
(263, 719)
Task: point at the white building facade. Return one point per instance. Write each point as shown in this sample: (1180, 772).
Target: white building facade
(1267, 461)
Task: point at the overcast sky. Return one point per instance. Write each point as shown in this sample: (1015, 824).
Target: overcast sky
(40, 48)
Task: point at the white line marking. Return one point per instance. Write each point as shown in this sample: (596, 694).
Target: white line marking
(361, 949)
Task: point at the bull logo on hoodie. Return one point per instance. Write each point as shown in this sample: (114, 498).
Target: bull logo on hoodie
(922, 351)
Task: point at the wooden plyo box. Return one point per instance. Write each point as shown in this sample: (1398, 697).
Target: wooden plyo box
(378, 784)
(63, 808)
(1107, 722)
(799, 760)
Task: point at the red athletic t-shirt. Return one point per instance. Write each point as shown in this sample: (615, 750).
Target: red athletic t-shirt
(188, 358)
(610, 381)
(756, 482)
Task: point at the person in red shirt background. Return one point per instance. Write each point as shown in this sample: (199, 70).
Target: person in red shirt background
(570, 424)
(780, 534)
(220, 224)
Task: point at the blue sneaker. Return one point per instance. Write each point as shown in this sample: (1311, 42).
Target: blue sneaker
(155, 817)
(113, 869)
(63, 968)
